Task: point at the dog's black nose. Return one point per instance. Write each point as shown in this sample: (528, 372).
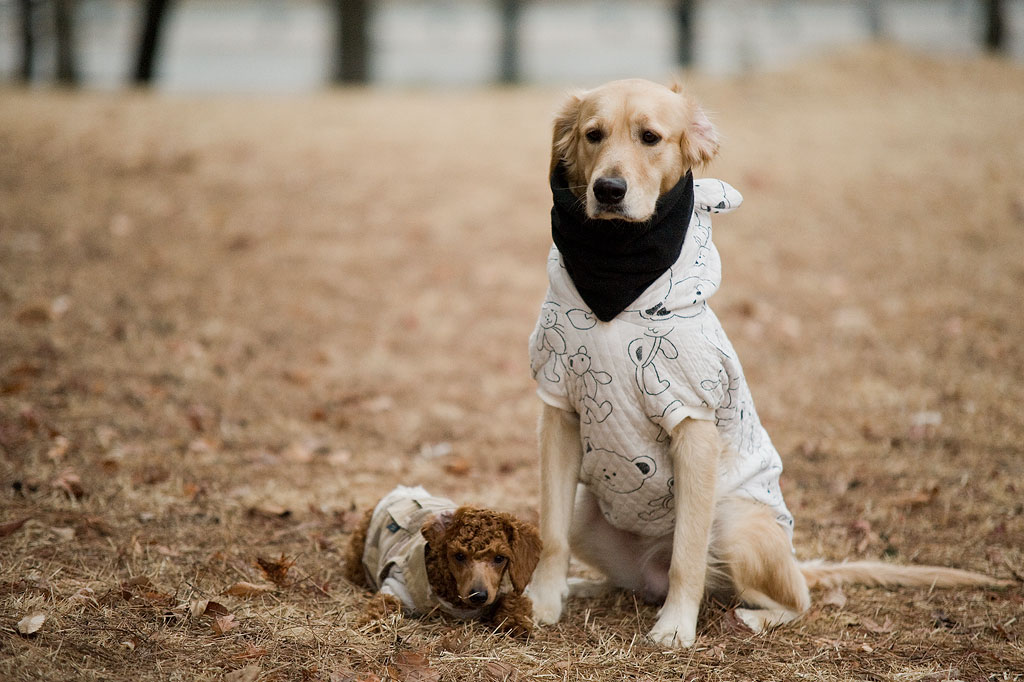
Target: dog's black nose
(610, 190)
(478, 598)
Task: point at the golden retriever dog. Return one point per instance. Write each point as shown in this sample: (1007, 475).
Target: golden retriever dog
(654, 466)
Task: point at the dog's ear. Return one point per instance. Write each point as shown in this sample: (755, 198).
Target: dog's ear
(435, 526)
(525, 543)
(700, 140)
(565, 135)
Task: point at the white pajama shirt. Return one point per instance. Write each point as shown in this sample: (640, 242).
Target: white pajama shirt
(633, 379)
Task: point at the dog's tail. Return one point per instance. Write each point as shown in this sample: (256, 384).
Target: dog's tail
(824, 574)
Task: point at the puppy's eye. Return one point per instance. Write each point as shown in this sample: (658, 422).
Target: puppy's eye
(595, 135)
(650, 137)
(499, 559)
(460, 557)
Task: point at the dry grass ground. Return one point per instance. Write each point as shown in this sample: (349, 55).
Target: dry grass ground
(225, 324)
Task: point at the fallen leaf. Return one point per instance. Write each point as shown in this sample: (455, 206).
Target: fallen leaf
(339, 457)
(70, 484)
(151, 475)
(270, 511)
(11, 526)
(85, 596)
(458, 466)
(922, 496)
(197, 608)
(412, 666)
(222, 624)
(250, 651)
(299, 453)
(65, 533)
(192, 491)
(157, 598)
(105, 435)
(60, 306)
(137, 581)
(276, 571)
(834, 597)
(247, 589)
(435, 450)
(58, 449)
(247, 674)
(200, 417)
(872, 626)
(352, 676)
(30, 624)
(34, 314)
(861, 529)
(497, 671)
(382, 403)
(924, 425)
(299, 377)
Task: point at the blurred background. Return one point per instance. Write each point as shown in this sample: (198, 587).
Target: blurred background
(302, 45)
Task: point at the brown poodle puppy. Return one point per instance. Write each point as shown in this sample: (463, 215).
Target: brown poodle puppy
(422, 553)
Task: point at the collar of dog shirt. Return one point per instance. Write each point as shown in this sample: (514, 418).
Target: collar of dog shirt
(612, 262)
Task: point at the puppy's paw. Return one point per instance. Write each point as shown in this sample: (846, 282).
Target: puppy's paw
(513, 616)
(380, 607)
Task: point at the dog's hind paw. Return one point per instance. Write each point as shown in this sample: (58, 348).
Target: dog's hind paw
(760, 620)
(589, 589)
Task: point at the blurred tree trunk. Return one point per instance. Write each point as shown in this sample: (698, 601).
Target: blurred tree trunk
(351, 50)
(510, 11)
(995, 35)
(28, 41)
(685, 18)
(64, 27)
(873, 11)
(149, 40)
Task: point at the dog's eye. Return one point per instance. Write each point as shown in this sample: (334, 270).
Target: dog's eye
(650, 137)
(499, 559)
(460, 557)
(595, 135)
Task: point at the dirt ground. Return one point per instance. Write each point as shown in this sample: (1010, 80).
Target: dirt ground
(228, 324)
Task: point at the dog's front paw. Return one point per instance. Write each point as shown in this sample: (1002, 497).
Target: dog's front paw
(548, 597)
(674, 633)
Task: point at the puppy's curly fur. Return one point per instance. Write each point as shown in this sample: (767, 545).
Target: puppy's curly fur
(469, 553)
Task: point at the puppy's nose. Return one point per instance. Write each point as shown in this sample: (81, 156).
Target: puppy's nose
(610, 190)
(478, 598)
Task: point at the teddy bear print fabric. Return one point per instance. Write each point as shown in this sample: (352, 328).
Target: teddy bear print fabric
(633, 379)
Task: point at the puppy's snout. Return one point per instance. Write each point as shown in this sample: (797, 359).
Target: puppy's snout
(478, 598)
(610, 190)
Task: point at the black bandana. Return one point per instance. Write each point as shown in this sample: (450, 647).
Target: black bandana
(612, 262)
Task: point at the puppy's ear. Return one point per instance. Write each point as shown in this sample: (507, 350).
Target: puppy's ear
(526, 546)
(565, 135)
(434, 527)
(700, 140)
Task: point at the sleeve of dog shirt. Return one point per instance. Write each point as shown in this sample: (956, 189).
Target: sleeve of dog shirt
(689, 386)
(547, 352)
